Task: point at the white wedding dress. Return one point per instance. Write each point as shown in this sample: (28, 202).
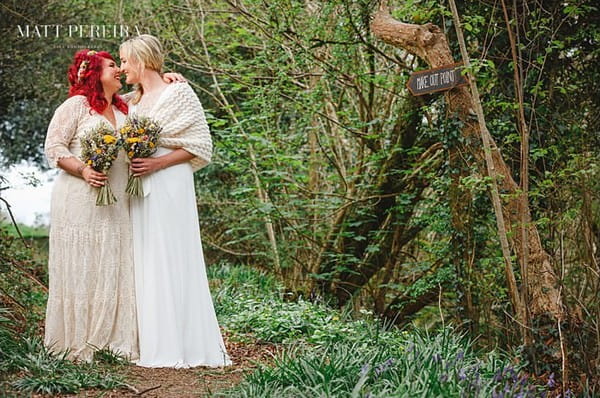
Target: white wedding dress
(178, 326)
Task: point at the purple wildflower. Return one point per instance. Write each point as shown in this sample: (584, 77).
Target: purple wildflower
(384, 366)
(364, 370)
(523, 380)
(498, 376)
(568, 393)
(551, 382)
(511, 374)
(462, 375)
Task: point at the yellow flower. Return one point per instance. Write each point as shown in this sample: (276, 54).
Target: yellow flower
(98, 150)
(141, 131)
(130, 154)
(132, 140)
(151, 144)
(89, 162)
(109, 139)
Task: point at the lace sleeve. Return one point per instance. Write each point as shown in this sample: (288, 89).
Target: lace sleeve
(62, 129)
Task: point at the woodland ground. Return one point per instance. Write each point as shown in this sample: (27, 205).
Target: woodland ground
(281, 346)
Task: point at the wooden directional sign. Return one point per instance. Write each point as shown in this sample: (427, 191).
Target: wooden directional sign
(438, 79)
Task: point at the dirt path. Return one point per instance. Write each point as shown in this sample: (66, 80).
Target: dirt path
(188, 383)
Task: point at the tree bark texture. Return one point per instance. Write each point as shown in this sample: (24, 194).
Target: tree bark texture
(429, 43)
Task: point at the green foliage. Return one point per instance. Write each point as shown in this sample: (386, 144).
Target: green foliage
(331, 354)
(326, 172)
(26, 365)
(26, 230)
(416, 365)
(48, 373)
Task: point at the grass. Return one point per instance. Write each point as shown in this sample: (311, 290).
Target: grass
(424, 366)
(34, 369)
(331, 354)
(326, 353)
(27, 231)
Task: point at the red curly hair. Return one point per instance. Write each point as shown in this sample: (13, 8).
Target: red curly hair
(87, 81)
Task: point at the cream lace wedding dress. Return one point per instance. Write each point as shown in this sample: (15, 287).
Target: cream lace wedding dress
(91, 302)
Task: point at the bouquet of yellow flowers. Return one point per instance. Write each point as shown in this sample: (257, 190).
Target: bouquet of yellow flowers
(140, 139)
(99, 148)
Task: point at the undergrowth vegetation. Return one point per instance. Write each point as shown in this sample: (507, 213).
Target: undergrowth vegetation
(329, 353)
(325, 352)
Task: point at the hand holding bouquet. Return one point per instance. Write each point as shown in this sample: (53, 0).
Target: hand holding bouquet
(140, 139)
(99, 148)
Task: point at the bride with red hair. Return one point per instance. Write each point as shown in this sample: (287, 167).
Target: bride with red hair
(91, 302)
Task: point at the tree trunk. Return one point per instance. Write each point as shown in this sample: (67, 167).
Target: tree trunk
(429, 43)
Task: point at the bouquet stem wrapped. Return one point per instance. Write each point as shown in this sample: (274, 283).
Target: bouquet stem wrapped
(99, 148)
(134, 186)
(140, 139)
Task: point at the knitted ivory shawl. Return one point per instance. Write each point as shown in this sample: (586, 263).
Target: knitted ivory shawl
(181, 116)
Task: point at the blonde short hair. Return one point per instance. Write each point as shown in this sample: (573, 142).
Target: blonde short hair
(147, 51)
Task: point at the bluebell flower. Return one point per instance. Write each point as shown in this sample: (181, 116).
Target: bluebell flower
(498, 376)
(551, 382)
(462, 375)
(384, 366)
(511, 374)
(523, 380)
(460, 356)
(364, 370)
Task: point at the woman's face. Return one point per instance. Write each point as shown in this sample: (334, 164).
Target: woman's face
(110, 76)
(131, 68)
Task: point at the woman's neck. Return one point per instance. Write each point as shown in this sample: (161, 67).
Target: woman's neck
(152, 82)
(109, 96)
